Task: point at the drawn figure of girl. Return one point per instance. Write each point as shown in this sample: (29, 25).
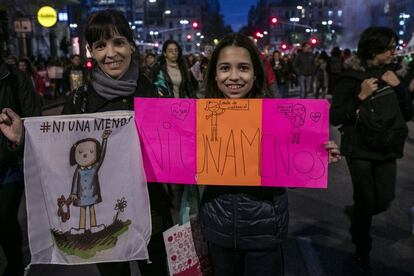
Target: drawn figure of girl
(298, 120)
(88, 154)
(215, 109)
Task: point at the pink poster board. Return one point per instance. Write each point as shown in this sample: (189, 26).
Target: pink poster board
(294, 132)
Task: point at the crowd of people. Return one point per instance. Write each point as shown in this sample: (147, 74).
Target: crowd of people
(251, 243)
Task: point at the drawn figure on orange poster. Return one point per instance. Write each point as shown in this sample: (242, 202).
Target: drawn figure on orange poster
(215, 109)
(88, 154)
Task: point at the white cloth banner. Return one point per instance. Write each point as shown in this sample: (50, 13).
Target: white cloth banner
(86, 194)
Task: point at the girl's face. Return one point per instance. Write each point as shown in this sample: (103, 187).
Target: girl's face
(113, 56)
(234, 72)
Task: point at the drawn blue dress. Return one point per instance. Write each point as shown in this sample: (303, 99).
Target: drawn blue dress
(86, 181)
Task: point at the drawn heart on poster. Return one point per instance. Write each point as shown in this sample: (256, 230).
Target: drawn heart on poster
(315, 116)
(180, 110)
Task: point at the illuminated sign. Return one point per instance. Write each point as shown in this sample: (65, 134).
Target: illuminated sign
(47, 16)
(63, 16)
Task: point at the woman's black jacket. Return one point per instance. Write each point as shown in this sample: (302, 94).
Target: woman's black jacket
(345, 103)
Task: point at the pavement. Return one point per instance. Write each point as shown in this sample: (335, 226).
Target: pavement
(319, 243)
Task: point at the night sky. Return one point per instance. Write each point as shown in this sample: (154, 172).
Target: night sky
(235, 12)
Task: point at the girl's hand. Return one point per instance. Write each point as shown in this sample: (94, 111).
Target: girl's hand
(12, 126)
(334, 153)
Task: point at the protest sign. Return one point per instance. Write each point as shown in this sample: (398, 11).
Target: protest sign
(251, 142)
(86, 193)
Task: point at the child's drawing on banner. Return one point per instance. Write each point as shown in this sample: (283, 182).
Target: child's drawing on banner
(297, 115)
(88, 155)
(91, 190)
(215, 110)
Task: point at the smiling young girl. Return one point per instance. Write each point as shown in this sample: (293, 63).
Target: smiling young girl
(244, 225)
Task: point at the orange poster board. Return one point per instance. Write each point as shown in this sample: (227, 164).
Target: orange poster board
(229, 141)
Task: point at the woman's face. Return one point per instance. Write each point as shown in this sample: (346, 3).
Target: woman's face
(386, 56)
(171, 53)
(23, 66)
(234, 72)
(113, 55)
(149, 60)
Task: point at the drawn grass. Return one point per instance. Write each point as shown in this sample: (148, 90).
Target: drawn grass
(86, 245)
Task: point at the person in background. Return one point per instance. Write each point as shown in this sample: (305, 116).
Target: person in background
(55, 74)
(75, 75)
(11, 60)
(321, 75)
(334, 69)
(292, 81)
(171, 75)
(373, 168)
(281, 72)
(16, 92)
(244, 226)
(150, 60)
(26, 66)
(173, 79)
(347, 54)
(304, 67)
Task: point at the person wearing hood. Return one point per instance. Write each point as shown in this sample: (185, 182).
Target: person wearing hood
(372, 167)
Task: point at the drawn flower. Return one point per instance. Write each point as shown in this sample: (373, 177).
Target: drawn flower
(120, 206)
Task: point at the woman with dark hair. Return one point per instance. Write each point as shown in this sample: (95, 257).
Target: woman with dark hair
(244, 226)
(372, 167)
(321, 75)
(281, 72)
(115, 81)
(335, 66)
(148, 64)
(172, 77)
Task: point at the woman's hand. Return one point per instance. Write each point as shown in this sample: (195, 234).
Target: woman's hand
(12, 126)
(391, 78)
(368, 87)
(333, 151)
